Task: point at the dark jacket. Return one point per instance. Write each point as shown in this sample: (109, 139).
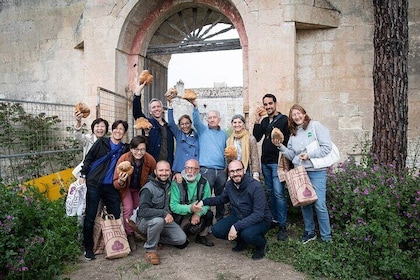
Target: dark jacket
(248, 203)
(270, 153)
(99, 149)
(155, 135)
(154, 199)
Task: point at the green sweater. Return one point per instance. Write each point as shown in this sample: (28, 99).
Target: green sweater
(184, 209)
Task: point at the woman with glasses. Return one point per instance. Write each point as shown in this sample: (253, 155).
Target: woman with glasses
(130, 185)
(186, 141)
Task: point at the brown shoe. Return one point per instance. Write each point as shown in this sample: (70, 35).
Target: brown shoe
(134, 227)
(152, 258)
(132, 242)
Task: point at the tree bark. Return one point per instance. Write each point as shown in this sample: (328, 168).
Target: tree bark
(390, 125)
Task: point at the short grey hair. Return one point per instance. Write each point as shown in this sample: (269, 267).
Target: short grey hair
(238, 116)
(153, 100)
(214, 111)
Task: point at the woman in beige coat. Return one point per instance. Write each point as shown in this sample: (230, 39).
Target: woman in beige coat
(245, 146)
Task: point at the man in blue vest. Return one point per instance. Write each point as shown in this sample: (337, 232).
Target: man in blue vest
(194, 187)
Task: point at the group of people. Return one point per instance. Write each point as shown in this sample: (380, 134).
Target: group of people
(176, 168)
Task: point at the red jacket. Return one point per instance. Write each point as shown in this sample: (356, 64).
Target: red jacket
(149, 166)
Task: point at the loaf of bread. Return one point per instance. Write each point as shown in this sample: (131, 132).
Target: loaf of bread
(125, 166)
(231, 153)
(82, 108)
(145, 76)
(171, 94)
(261, 111)
(189, 94)
(277, 134)
(142, 123)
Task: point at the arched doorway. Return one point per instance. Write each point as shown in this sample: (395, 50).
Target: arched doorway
(154, 31)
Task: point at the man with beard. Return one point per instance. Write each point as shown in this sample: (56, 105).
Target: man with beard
(194, 187)
(250, 217)
(264, 124)
(154, 217)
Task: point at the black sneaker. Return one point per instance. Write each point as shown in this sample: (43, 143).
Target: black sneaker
(240, 246)
(308, 237)
(203, 240)
(259, 253)
(282, 233)
(89, 255)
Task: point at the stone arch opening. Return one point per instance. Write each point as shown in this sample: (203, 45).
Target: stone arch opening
(153, 30)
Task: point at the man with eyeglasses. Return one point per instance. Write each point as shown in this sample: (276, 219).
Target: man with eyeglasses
(250, 217)
(161, 138)
(193, 187)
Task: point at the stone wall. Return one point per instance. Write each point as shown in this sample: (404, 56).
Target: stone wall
(318, 53)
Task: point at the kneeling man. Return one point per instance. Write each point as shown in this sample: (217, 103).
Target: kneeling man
(250, 215)
(194, 187)
(154, 217)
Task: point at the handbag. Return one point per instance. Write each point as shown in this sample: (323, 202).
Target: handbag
(332, 157)
(301, 191)
(283, 166)
(76, 199)
(115, 238)
(98, 240)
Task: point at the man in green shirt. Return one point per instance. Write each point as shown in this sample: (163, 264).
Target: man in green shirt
(193, 188)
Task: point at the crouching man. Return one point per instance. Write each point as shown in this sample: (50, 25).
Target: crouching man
(250, 217)
(194, 187)
(154, 217)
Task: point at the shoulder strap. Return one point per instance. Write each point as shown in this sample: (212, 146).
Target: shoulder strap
(314, 130)
(276, 118)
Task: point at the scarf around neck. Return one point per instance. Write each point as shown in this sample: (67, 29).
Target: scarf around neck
(243, 137)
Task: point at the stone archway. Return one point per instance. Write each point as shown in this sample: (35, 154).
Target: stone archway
(141, 25)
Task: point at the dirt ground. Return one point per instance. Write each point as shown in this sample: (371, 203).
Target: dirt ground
(195, 262)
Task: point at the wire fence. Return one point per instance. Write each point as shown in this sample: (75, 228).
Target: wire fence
(36, 138)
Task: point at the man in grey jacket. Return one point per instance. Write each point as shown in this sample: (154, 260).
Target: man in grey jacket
(154, 217)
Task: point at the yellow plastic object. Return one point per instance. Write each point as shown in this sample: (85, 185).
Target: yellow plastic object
(52, 184)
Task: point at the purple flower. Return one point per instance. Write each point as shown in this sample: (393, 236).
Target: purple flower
(356, 190)
(366, 192)
(409, 215)
(9, 217)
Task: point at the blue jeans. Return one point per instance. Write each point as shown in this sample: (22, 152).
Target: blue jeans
(217, 179)
(276, 193)
(319, 181)
(254, 234)
(111, 198)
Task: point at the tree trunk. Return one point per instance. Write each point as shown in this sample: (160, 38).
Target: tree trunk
(389, 139)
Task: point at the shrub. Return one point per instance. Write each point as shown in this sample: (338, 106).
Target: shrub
(37, 237)
(374, 209)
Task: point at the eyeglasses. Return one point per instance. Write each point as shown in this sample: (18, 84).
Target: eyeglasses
(239, 171)
(185, 124)
(190, 168)
(139, 150)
